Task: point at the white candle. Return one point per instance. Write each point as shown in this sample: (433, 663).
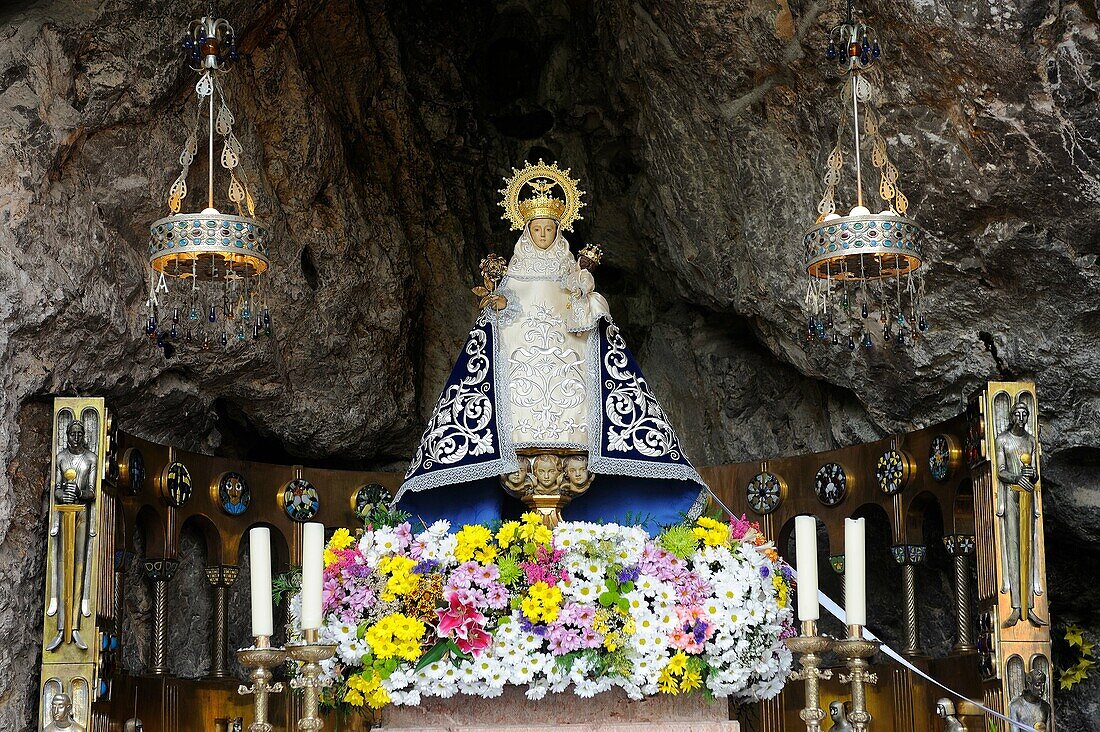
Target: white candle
(259, 554)
(855, 571)
(313, 565)
(805, 548)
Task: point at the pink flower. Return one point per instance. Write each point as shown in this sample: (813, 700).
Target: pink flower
(546, 567)
(487, 574)
(464, 624)
(476, 641)
(693, 629)
(455, 619)
(739, 527)
(404, 535)
(496, 597)
(332, 593)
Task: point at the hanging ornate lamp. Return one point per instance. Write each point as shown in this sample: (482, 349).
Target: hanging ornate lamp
(863, 267)
(206, 268)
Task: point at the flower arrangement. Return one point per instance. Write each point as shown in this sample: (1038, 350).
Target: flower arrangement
(703, 607)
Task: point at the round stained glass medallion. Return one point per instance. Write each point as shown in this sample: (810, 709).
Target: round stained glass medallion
(132, 471)
(765, 492)
(175, 484)
(941, 454)
(831, 484)
(368, 497)
(893, 471)
(232, 493)
(300, 500)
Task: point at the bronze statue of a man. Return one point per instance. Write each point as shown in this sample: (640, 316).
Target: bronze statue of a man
(61, 715)
(1018, 512)
(74, 485)
(1030, 707)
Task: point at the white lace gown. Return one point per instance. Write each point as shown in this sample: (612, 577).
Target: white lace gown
(547, 333)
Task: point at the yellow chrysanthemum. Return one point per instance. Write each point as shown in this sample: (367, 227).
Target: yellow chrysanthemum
(691, 680)
(378, 698)
(370, 689)
(402, 580)
(541, 603)
(469, 540)
(781, 591)
(330, 558)
(532, 529)
(342, 539)
(396, 636)
(486, 554)
(711, 532)
(507, 534)
(361, 684)
(667, 682)
(677, 663)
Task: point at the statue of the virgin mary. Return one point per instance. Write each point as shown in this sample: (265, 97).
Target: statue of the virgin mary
(546, 403)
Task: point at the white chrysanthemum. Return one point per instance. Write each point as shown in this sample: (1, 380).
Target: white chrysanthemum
(351, 652)
(583, 591)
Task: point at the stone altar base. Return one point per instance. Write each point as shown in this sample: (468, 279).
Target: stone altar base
(610, 711)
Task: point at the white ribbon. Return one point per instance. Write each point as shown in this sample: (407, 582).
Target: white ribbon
(838, 612)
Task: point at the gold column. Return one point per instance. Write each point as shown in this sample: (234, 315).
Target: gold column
(961, 547)
(909, 556)
(221, 577)
(159, 572)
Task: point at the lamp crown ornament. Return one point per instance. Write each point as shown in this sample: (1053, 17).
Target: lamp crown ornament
(542, 179)
(206, 267)
(862, 265)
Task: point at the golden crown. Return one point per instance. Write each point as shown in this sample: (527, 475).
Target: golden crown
(541, 178)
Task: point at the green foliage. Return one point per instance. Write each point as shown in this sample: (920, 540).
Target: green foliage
(613, 596)
(1079, 671)
(679, 540)
(433, 654)
(510, 572)
(630, 518)
(287, 584)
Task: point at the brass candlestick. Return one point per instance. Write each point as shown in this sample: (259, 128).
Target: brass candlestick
(261, 658)
(809, 646)
(310, 654)
(857, 650)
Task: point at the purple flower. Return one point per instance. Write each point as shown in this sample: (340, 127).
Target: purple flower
(529, 627)
(591, 638)
(765, 571)
(404, 536)
(426, 566)
(331, 594)
(583, 614)
(496, 597)
(486, 574)
(629, 574)
(360, 597)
